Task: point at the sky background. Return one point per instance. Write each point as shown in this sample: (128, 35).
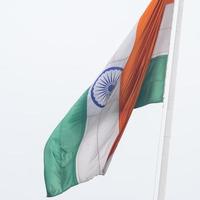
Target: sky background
(50, 52)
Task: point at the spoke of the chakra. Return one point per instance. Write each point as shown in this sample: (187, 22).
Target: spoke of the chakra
(102, 95)
(103, 98)
(107, 75)
(103, 101)
(101, 83)
(114, 75)
(101, 79)
(101, 90)
(117, 76)
(111, 76)
(102, 86)
(105, 79)
(99, 93)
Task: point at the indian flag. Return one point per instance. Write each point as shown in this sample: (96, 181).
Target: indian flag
(82, 145)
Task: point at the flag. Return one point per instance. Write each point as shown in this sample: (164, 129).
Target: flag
(82, 145)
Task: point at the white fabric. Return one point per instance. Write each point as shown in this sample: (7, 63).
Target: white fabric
(163, 40)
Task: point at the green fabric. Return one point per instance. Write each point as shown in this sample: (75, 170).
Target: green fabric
(61, 149)
(153, 87)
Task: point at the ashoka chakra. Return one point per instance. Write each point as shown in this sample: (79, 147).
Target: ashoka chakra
(104, 85)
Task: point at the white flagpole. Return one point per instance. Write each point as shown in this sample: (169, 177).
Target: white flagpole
(163, 157)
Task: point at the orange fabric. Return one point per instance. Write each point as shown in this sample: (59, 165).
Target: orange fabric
(169, 1)
(134, 72)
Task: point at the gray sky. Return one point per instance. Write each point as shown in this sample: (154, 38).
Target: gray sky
(50, 52)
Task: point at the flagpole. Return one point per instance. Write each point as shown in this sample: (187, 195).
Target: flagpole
(163, 157)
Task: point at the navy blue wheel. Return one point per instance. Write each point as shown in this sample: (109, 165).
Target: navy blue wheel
(104, 85)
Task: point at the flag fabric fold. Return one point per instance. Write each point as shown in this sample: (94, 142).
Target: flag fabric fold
(82, 145)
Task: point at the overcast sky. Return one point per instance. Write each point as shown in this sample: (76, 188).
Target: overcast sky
(50, 52)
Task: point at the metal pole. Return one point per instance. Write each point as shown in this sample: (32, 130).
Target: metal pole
(160, 191)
